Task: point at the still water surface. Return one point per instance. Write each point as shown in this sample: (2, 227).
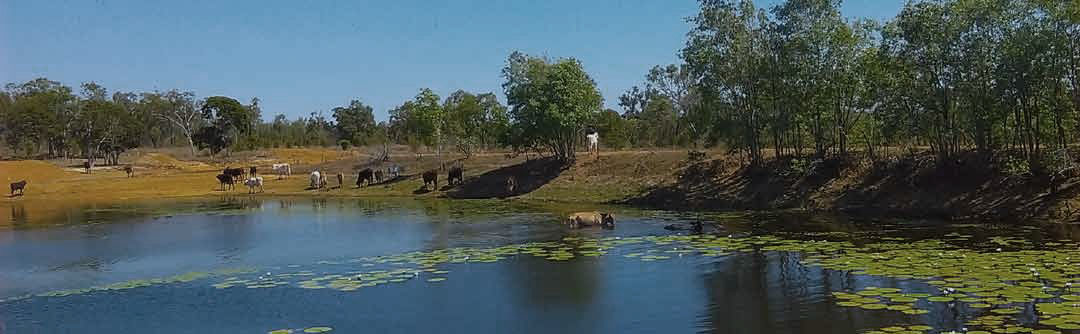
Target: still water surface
(254, 266)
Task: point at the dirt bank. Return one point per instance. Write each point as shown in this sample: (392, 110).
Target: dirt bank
(916, 186)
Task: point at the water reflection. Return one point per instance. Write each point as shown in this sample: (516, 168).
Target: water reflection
(746, 292)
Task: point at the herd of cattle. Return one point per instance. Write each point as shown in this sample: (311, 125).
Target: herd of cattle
(229, 177)
(366, 177)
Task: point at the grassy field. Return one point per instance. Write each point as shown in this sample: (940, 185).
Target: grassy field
(55, 186)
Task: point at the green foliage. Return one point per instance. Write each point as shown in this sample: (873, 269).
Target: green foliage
(615, 129)
(550, 102)
(1016, 167)
(355, 123)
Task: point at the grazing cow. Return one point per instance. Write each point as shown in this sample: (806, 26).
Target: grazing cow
(235, 173)
(254, 182)
(282, 170)
(340, 180)
(380, 176)
(586, 219)
(18, 186)
(226, 180)
(365, 178)
(129, 170)
(252, 170)
(431, 177)
(315, 178)
(455, 176)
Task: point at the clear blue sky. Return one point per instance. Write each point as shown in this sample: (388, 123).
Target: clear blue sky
(303, 56)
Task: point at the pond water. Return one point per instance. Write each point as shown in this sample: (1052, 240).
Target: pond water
(405, 266)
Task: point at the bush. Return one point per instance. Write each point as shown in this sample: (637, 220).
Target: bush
(1014, 166)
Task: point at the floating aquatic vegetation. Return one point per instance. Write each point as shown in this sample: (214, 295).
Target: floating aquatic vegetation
(987, 282)
(182, 278)
(317, 329)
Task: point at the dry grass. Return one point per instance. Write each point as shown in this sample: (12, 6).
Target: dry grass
(58, 185)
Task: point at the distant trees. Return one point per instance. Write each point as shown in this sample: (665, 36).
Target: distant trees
(355, 123)
(793, 79)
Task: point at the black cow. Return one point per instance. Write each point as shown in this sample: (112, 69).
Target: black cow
(235, 173)
(252, 170)
(18, 186)
(365, 177)
(88, 166)
(431, 177)
(226, 180)
(455, 176)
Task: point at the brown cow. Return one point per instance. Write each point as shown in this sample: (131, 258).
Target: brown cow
(226, 180)
(431, 177)
(340, 180)
(129, 170)
(365, 178)
(586, 219)
(455, 176)
(18, 186)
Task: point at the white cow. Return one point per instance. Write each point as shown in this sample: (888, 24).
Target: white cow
(254, 182)
(594, 142)
(282, 170)
(316, 179)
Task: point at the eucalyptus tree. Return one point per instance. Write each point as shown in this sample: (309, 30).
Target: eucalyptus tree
(726, 50)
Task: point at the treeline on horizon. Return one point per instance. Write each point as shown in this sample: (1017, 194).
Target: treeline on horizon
(997, 77)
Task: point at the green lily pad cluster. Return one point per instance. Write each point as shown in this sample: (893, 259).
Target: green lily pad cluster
(912, 329)
(874, 298)
(320, 329)
(992, 280)
(182, 278)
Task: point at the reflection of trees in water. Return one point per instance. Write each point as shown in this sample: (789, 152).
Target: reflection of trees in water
(771, 292)
(542, 283)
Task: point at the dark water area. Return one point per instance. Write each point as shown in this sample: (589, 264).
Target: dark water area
(255, 266)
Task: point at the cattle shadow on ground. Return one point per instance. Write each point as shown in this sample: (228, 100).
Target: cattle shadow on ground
(528, 177)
